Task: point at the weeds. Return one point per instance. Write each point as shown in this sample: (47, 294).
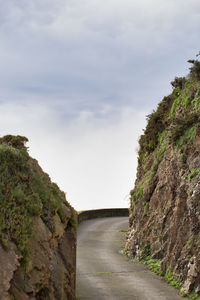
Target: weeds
(154, 265)
(194, 173)
(25, 191)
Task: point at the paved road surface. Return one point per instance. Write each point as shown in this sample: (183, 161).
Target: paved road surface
(104, 273)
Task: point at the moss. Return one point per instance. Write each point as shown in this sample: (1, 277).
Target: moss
(161, 136)
(196, 100)
(190, 245)
(187, 137)
(73, 222)
(176, 103)
(146, 209)
(194, 173)
(137, 192)
(25, 191)
(62, 214)
(184, 129)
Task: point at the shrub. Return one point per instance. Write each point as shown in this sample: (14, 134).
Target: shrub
(178, 82)
(195, 69)
(181, 125)
(14, 141)
(157, 121)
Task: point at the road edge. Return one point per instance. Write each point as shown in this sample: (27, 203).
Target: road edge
(102, 213)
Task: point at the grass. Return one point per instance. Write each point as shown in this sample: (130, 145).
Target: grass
(155, 266)
(169, 277)
(194, 173)
(176, 103)
(187, 136)
(25, 191)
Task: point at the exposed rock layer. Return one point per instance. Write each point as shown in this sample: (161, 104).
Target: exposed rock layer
(38, 239)
(165, 203)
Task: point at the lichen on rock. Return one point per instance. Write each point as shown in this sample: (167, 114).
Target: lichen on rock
(165, 202)
(36, 232)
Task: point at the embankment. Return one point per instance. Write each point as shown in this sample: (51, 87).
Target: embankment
(37, 229)
(165, 202)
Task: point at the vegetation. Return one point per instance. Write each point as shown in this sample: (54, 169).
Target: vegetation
(156, 123)
(194, 173)
(173, 126)
(177, 116)
(155, 266)
(25, 191)
(195, 69)
(185, 128)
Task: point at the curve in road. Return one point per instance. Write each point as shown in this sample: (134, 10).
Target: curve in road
(104, 273)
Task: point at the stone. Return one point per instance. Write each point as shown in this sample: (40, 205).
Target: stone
(9, 263)
(165, 202)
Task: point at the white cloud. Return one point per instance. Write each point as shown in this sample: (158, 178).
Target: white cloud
(94, 47)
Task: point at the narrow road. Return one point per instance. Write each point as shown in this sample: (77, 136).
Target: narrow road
(104, 273)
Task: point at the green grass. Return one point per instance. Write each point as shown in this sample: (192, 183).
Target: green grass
(25, 191)
(169, 277)
(194, 173)
(187, 136)
(193, 295)
(176, 103)
(155, 266)
(161, 136)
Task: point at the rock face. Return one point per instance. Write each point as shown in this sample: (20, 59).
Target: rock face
(37, 230)
(165, 202)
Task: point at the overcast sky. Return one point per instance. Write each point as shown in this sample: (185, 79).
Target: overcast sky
(78, 78)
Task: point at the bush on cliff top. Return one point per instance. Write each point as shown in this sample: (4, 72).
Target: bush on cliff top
(185, 96)
(25, 191)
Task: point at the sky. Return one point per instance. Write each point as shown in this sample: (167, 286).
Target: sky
(78, 77)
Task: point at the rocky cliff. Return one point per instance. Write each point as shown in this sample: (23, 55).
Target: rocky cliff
(37, 229)
(165, 202)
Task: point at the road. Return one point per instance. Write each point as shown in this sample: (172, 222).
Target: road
(103, 272)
